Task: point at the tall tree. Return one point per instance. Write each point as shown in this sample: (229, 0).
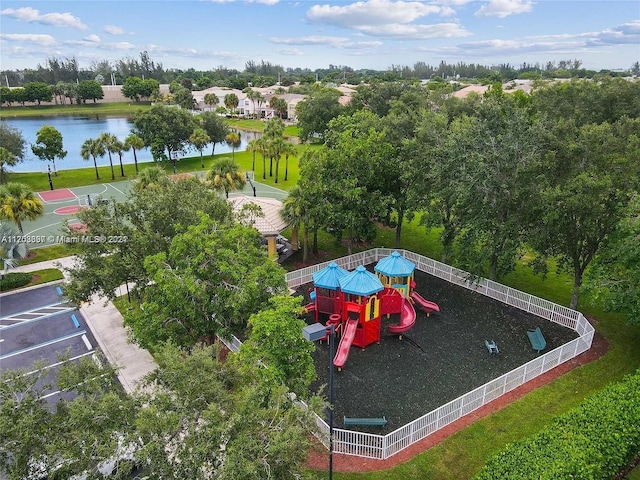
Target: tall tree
(110, 143)
(503, 150)
(225, 175)
(231, 102)
(18, 203)
(150, 218)
(134, 142)
(48, 145)
(9, 159)
(165, 129)
(215, 127)
(13, 142)
(211, 99)
(614, 278)
(592, 175)
(233, 140)
(279, 105)
(207, 261)
(93, 148)
(199, 139)
(274, 341)
(315, 113)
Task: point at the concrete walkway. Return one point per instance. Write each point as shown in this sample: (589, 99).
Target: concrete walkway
(106, 324)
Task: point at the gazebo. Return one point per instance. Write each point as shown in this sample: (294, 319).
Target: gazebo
(270, 224)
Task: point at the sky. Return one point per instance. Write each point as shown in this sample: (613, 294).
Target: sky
(374, 34)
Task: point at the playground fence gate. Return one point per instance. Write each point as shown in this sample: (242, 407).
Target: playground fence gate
(369, 445)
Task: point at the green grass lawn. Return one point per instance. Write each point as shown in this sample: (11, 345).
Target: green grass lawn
(114, 109)
(38, 277)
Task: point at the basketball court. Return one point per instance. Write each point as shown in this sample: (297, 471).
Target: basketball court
(63, 204)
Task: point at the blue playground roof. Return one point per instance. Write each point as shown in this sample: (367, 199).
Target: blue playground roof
(360, 282)
(395, 265)
(328, 276)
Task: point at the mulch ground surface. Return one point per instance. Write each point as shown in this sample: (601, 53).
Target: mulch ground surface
(441, 358)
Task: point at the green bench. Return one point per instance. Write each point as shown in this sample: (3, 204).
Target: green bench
(536, 339)
(373, 422)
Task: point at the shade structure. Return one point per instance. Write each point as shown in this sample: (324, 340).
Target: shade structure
(270, 223)
(395, 265)
(360, 282)
(328, 277)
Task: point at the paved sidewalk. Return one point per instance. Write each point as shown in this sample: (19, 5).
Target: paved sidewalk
(106, 324)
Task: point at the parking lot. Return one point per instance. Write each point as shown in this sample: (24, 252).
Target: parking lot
(38, 327)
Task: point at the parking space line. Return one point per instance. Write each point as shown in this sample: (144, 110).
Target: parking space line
(33, 309)
(25, 321)
(44, 344)
(53, 365)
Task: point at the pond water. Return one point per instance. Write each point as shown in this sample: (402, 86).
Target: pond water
(76, 129)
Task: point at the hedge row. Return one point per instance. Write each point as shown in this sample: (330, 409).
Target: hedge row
(592, 442)
(14, 280)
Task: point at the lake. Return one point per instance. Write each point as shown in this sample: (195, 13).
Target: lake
(76, 129)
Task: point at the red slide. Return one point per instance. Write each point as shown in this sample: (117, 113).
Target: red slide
(426, 305)
(345, 343)
(310, 307)
(407, 319)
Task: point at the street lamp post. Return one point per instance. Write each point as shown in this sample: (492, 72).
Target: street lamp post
(49, 174)
(314, 332)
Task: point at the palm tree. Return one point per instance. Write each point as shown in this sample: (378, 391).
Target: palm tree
(134, 142)
(260, 99)
(19, 203)
(119, 148)
(251, 95)
(279, 105)
(149, 177)
(294, 212)
(264, 148)
(225, 175)
(254, 146)
(200, 139)
(10, 249)
(278, 145)
(109, 141)
(211, 99)
(92, 147)
(231, 102)
(288, 150)
(233, 140)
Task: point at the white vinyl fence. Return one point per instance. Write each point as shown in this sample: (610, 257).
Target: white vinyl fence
(384, 446)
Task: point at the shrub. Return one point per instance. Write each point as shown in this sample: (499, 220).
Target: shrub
(14, 280)
(593, 441)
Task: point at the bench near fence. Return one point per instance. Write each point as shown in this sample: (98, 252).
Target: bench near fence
(537, 339)
(373, 422)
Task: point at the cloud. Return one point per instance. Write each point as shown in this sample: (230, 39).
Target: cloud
(42, 40)
(504, 8)
(373, 12)
(417, 32)
(388, 18)
(114, 30)
(292, 52)
(92, 38)
(335, 42)
(622, 34)
(31, 15)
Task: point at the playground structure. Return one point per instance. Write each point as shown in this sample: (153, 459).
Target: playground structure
(356, 301)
